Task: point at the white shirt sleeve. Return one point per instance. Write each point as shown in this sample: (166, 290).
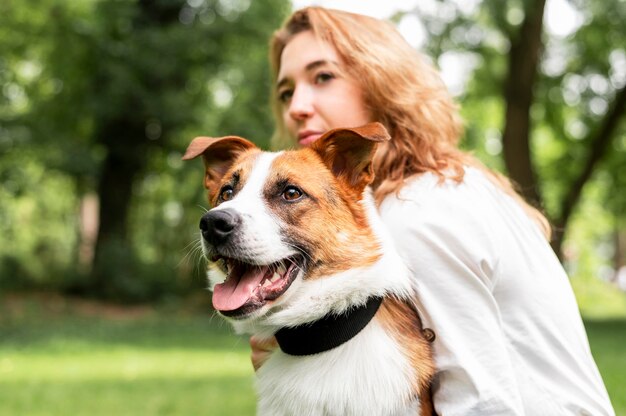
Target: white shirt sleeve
(452, 252)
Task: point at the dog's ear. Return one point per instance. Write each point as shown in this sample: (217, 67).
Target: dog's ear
(348, 152)
(218, 153)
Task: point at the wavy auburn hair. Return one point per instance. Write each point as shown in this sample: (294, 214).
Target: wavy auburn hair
(402, 90)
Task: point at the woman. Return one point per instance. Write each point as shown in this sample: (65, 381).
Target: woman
(510, 339)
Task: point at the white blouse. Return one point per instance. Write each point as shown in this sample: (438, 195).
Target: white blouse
(509, 336)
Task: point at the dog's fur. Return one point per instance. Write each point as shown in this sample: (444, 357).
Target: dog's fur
(309, 215)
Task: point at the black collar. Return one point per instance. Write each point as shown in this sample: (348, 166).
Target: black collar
(327, 333)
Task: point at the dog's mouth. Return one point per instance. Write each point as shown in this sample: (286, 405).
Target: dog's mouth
(248, 287)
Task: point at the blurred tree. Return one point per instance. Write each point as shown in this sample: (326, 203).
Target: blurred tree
(558, 97)
(101, 97)
(107, 86)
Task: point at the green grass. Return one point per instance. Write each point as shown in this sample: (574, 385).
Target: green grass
(608, 346)
(152, 365)
(68, 361)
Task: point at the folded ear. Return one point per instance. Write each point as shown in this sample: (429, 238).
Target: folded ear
(218, 153)
(348, 153)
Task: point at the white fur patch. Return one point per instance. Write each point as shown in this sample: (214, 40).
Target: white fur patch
(368, 375)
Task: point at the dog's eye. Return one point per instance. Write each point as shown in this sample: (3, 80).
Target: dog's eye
(226, 194)
(292, 193)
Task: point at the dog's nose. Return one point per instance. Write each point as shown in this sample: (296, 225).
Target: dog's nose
(217, 226)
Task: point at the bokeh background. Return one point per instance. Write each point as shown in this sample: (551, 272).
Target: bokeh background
(103, 307)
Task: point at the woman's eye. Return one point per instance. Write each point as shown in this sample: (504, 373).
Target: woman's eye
(285, 95)
(323, 77)
(292, 193)
(226, 193)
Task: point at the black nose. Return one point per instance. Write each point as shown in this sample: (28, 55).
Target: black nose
(218, 226)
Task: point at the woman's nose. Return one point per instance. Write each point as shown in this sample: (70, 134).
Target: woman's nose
(301, 104)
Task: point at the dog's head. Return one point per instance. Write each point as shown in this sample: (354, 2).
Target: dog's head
(280, 220)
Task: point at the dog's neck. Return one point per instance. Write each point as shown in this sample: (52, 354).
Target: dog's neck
(328, 332)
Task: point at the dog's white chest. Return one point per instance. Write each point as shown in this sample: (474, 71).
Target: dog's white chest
(368, 375)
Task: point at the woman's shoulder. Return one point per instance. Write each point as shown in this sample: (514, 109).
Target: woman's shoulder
(448, 220)
(472, 215)
(444, 194)
(464, 212)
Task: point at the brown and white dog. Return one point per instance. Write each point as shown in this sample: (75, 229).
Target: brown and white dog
(297, 250)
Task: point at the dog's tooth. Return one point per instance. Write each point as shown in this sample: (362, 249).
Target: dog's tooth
(266, 283)
(275, 277)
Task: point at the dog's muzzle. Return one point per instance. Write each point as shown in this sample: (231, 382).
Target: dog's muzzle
(252, 278)
(218, 226)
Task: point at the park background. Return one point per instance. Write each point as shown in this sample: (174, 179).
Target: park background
(103, 307)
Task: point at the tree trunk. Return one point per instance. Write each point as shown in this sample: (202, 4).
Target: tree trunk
(125, 160)
(599, 146)
(524, 56)
(115, 268)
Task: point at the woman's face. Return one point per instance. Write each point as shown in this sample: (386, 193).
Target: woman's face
(315, 93)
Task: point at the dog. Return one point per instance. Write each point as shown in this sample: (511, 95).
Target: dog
(296, 250)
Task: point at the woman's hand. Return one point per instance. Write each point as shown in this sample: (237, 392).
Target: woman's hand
(262, 348)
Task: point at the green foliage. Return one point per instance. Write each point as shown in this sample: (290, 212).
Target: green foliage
(579, 76)
(37, 222)
(84, 81)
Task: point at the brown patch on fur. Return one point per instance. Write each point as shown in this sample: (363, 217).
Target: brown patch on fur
(327, 222)
(427, 408)
(348, 153)
(402, 322)
(218, 154)
(236, 175)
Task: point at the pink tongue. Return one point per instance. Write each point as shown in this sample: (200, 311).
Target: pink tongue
(234, 293)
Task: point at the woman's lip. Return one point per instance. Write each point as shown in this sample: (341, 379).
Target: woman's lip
(307, 137)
